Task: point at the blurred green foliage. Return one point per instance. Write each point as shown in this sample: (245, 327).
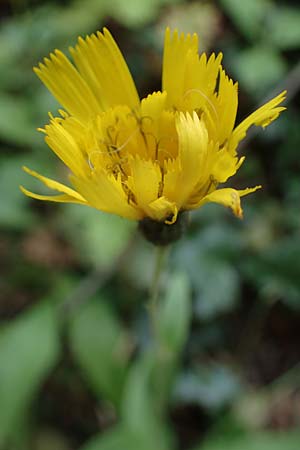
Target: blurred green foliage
(77, 369)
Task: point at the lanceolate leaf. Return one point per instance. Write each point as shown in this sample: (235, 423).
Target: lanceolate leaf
(29, 348)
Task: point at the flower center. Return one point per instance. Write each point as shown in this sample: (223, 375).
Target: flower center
(120, 135)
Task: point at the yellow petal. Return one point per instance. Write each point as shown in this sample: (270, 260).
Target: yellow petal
(63, 198)
(225, 166)
(200, 80)
(181, 178)
(144, 182)
(158, 126)
(176, 49)
(228, 197)
(102, 65)
(68, 86)
(105, 192)
(64, 145)
(118, 131)
(263, 116)
(193, 142)
(151, 109)
(164, 210)
(69, 194)
(226, 103)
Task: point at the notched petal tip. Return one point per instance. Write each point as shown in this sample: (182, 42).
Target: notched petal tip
(26, 169)
(105, 32)
(36, 69)
(41, 130)
(283, 94)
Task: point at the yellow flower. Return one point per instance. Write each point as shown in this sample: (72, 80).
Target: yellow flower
(148, 158)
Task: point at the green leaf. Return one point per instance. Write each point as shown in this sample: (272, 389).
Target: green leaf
(29, 348)
(139, 426)
(99, 238)
(174, 313)
(248, 15)
(14, 207)
(16, 124)
(259, 68)
(286, 21)
(100, 347)
(134, 13)
(119, 438)
(276, 270)
(255, 441)
(139, 404)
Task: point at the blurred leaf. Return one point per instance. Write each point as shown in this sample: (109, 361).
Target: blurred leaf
(212, 387)
(259, 68)
(28, 37)
(16, 125)
(100, 347)
(119, 438)
(134, 13)
(14, 208)
(80, 18)
(210, 256)
(174, 313)
(100, 238)
(29, 348)
(139, 426)
(217, 287)
(142, 260)
(276, 270)
(204, 18)
(139, 408)
(255, 441)
(248, 16)
(286, 21)
(50, 439)
(215, 238)
(256, 407)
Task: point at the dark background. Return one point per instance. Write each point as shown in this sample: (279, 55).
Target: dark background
(74, 281)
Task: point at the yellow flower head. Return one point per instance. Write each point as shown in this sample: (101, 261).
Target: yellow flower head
(149, 158)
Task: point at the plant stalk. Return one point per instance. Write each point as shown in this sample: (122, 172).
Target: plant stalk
(161, 253)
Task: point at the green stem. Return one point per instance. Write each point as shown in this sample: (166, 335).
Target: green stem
(161, 369)
(161, 253)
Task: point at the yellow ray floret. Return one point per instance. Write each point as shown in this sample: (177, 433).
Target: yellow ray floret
(262, 117)
(102, 65)
(149, 158)
(68, 194)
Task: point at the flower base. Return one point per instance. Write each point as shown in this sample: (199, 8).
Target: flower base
(160, 233)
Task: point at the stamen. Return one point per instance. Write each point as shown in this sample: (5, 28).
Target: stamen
(161, 183)
(159, 149)
(140, 120)
(163, 150)
(109, 130)
(109, 152)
